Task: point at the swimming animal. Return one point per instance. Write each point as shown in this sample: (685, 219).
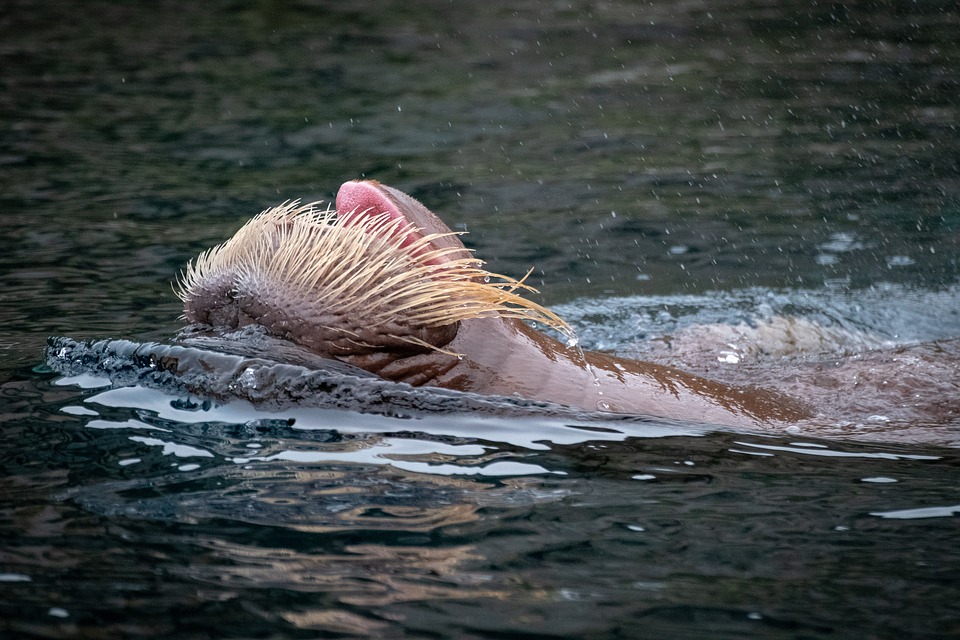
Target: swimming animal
(381, 283)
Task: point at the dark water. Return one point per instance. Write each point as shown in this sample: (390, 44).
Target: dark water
(665, 166)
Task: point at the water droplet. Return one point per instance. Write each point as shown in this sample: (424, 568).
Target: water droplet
(728, 357)
(596, 379)
(248, 379)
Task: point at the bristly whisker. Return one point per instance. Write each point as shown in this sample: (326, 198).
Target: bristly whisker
(362, 267)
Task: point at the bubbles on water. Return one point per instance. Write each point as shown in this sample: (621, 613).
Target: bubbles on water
(729, 357)
(841, 242)
(248, 379)
(899, 261)
(842, 318)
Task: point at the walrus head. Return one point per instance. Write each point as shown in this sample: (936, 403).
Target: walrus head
(379, 273)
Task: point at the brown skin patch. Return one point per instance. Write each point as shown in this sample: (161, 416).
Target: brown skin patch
(384, 285)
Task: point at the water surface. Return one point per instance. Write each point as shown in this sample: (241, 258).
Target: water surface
(664, 168)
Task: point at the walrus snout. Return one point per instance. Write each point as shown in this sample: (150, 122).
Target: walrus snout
(384, 274)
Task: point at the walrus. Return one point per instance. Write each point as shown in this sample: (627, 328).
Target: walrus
(381, 283)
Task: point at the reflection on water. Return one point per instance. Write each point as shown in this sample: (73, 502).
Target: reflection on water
(384, 517)
(389, 531)
(727, 185)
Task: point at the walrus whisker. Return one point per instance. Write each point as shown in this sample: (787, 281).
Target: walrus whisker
(423, 343)
(340, 330)
(361, 344)
(374, 266)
